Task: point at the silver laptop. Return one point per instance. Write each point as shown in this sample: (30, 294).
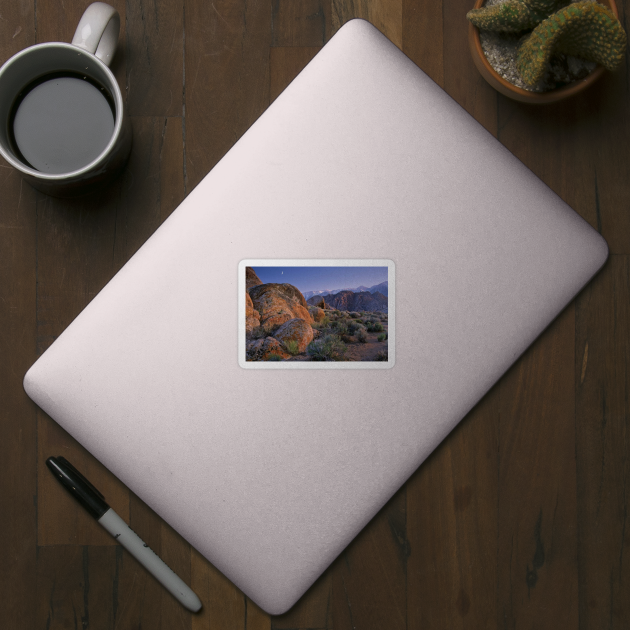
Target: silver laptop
(245, 423)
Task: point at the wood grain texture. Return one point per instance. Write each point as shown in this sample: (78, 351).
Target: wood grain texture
(461, 79)
(226, 78)
(537, 509)
(386, 15)
(609, 134)
(422, 36)
(300, 22)
(18, 416)
(452, 515)
(602, 381)
(154, 57)
(76, 587)
(519, 519)
(369, 577)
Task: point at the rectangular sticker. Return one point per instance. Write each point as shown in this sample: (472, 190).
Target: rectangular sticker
(314, 314)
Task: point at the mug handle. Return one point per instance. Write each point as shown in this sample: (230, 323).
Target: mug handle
(98, 30)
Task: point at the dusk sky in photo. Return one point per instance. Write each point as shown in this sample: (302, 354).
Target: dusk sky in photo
(323, 278)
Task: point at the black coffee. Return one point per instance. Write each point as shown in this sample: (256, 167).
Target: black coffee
(61, 123)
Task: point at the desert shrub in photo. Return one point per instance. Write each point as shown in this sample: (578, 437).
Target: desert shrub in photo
(374, 327)
(382, 337)
(342, 328)
(361, 336)
(353, 327)
(328, 348)
(292, 347)
(382, 356)
(274, 357)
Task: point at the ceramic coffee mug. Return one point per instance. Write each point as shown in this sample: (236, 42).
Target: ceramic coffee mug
(62, 115)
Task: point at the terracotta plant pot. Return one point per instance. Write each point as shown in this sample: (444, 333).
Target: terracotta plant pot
(519, 94)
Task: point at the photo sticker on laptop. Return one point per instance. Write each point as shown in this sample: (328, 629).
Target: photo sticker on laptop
(313, 314)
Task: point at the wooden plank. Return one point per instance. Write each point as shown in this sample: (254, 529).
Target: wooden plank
(423, 36)
(452, 527)
(369, 577)
(603, 469)
(608, 135)
(154, 57)
(18, 424)
(226, 78)
(285, 64)
(18, 481)
(76, 587)
(386, 15)
(461, 78)
(537, 537)
(300, 23)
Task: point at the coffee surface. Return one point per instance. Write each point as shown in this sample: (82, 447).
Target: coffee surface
(62, 124)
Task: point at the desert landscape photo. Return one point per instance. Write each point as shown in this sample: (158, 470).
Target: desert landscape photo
(316, 313)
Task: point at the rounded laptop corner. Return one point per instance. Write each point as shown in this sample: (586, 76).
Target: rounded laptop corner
(28, 382)
(603, 252)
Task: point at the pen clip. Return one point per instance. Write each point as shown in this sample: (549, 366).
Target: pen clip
(69, 466)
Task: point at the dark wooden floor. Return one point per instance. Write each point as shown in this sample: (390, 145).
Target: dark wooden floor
(518, 520)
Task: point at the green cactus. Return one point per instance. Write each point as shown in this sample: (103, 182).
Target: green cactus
(513, 16)
(584, 29)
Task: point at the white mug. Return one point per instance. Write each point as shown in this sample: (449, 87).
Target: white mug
(101, 145)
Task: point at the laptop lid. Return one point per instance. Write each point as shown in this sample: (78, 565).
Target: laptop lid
(271, 467)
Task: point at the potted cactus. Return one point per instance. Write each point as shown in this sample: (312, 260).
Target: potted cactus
(558, 49)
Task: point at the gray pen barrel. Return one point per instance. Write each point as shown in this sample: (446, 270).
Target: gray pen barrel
(149, 559)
